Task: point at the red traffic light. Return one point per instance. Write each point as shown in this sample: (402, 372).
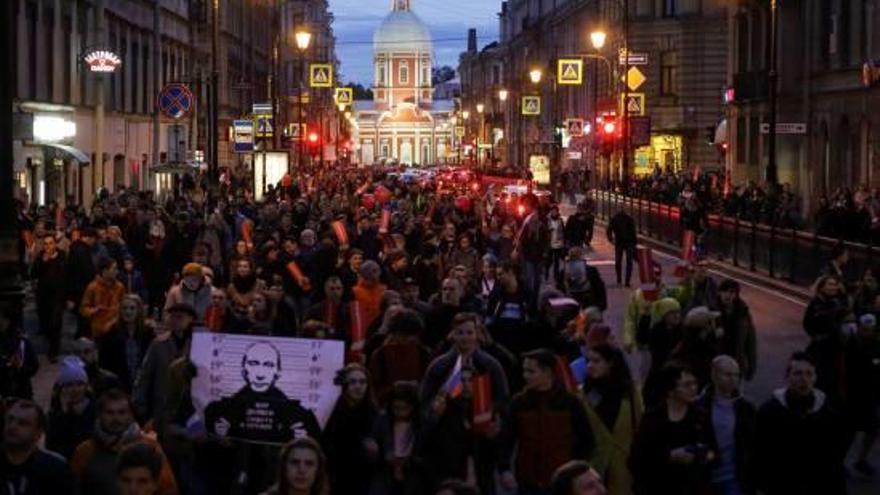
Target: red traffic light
(609, 127)
(313, 137)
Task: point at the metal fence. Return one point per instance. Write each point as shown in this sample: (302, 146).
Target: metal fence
(789, 254)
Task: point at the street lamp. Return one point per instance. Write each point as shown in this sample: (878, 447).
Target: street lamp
(502, 95)
(303, 39)
(597, 39)
(535, 75)
(465, 115)
(480, 108)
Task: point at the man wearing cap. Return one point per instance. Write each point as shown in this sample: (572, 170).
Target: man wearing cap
(150, 395)
(192, 290)
(700, 342)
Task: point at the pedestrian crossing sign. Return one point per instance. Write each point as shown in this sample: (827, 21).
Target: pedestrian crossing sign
(531, 105)
(294, 131)
(264, 126)
(344, 96)
(570, 71)
(575, 127)
(321, 75)
(634, 103)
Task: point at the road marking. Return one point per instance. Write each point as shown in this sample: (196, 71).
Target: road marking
(600, 262)
(741, 281)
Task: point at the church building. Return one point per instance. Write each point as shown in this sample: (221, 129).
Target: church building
(403, 123)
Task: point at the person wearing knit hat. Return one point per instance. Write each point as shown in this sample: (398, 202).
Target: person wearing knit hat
(664, 335)
(72, 415)
(193, 290)
(73, 371)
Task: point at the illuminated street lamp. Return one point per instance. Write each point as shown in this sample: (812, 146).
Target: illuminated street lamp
(347, 115)
(502, 94)
(535, 75)
(303, 39)
(466, 114)
(597, 38)
(480, 107)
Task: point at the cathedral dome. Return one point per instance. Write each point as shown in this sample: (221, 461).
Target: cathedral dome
(402, 30)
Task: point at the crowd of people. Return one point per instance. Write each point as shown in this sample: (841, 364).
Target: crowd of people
(478, 355)
(851, 214)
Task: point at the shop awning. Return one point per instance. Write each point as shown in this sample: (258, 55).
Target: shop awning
(74, 153)
(721, 132)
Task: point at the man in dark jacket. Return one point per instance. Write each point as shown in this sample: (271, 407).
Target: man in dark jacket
(80, 272)
(739, 340)
(579, 228)
(802, 442)
(621, 232)
(48, 272)
(731, 419)
(547, 426)
(25, 468)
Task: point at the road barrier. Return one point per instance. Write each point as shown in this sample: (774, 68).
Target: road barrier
(792, 255)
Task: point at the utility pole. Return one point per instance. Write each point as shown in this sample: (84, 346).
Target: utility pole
(624, 164)
(157, 40)
(10, 280)
(214, 97)
(772, 173)
(98, 165)
(273, 77)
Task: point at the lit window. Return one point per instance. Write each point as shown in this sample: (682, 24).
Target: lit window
(404, 72)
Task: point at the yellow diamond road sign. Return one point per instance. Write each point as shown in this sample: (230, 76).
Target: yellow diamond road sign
(570, 71)
(343, 96)
(531, 105)
(634, 78)
(321, 75)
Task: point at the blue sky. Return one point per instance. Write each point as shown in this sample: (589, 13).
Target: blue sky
(448, 21)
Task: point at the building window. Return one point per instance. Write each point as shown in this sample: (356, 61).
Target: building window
(404, 72)
(670, 8)
(496, 75)
(426, 76)
(668, 73)
(381, 75)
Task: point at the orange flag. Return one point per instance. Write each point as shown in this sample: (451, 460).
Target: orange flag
(358, 332)
(563, 370)
(482, 403)
(341, 232)
(298, 276)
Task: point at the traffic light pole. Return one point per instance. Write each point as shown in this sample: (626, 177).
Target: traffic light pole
(624, 164)
(772, 173)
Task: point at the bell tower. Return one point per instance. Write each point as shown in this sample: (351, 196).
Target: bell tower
(400, 5)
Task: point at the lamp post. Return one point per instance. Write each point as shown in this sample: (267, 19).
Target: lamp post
(772, 173)
(303, 39)
(480, 108)
(465, 115)
(502, 97)
(597, 39)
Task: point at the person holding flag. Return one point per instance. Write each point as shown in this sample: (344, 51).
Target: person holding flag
(444, 375)
(546, 426)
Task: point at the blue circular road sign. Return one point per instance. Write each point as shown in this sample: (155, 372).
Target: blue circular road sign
(175, 100)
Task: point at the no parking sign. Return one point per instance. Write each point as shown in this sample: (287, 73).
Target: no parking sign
(175, 100)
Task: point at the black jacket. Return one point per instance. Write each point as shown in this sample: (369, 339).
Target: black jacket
(622, 230)
(800, 454)
(43, 473)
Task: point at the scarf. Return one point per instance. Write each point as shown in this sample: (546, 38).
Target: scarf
(115, 441)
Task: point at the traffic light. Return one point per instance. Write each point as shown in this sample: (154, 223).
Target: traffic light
(313, 138)
(609, 131)
(557, 136)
